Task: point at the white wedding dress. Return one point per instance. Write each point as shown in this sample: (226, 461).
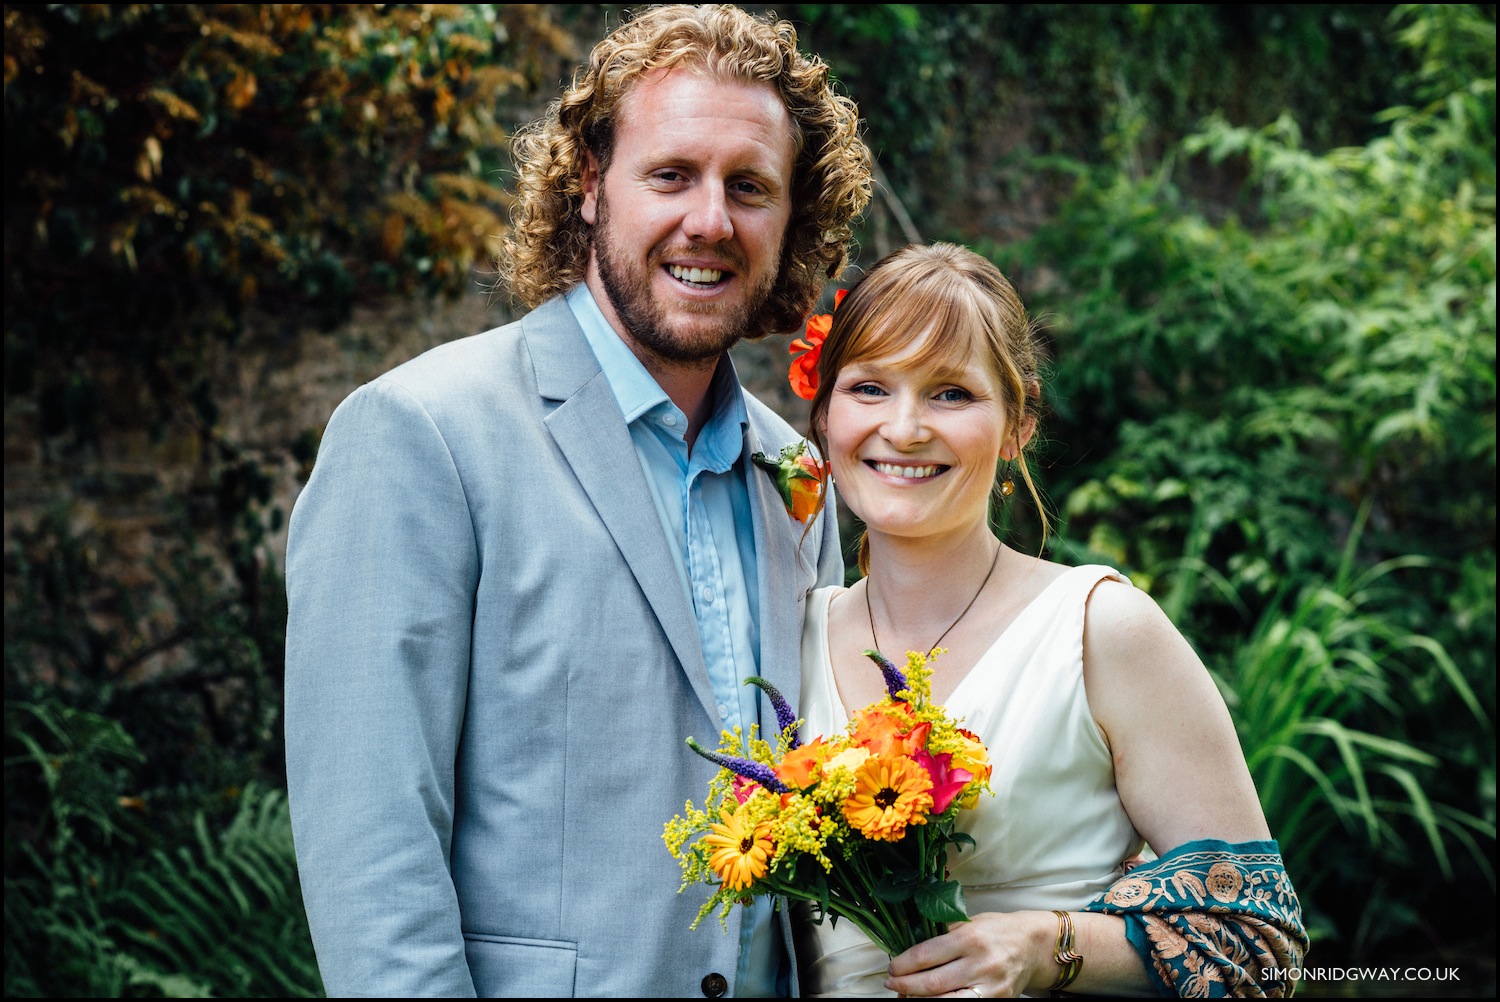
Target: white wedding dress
(1054, 833)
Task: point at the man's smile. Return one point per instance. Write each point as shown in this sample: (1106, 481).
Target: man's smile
(704, 277)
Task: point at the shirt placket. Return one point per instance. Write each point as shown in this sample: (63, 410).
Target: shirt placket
(706, 581)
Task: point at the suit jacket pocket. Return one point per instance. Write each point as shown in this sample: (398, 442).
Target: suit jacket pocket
(507, 967)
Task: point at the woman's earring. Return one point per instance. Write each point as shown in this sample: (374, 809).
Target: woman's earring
(1007, 484)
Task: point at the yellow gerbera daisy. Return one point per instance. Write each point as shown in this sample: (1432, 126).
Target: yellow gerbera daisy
(890, 792)
(740, 852)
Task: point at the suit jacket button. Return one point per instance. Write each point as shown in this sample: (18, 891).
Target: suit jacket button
(715, 985)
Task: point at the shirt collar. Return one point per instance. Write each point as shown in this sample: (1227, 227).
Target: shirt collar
(639, 394)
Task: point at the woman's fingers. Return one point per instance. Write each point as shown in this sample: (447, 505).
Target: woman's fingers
(991, 956)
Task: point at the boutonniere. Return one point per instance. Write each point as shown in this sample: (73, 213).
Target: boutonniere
(803, 374)
(798, 477)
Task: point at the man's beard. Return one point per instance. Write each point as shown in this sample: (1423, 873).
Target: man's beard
(629, 289)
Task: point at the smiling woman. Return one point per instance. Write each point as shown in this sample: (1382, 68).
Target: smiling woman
(927, 383)
(972, 368)
(906, 440)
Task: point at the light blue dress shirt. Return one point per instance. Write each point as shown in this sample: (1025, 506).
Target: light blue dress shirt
(704, 506)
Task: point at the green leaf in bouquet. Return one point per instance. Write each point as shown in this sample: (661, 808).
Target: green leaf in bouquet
(961, 839)
(894, 894)
(897, 886)
(942, 901)
(811, 882)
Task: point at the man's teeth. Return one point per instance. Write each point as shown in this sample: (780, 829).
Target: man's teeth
(907, 472)
(700, 276)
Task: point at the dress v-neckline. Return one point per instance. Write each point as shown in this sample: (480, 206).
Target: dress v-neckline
(833, 677)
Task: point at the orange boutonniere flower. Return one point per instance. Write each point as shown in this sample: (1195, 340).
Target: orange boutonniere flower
(803, 374)
(798, 476)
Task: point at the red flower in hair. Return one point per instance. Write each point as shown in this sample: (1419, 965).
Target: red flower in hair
(803, 374)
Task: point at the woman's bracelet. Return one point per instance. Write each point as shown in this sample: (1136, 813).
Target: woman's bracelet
(1070, 961)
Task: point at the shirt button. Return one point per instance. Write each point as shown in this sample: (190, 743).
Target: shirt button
(708, 594)
(723, 712)
(714, 986)
(669, 420)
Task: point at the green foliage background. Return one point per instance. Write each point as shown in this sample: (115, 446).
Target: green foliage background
(1261, 239)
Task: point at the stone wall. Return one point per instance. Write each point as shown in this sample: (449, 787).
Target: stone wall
(128, 493)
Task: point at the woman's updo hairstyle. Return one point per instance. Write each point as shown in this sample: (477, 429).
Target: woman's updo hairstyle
(973, 310)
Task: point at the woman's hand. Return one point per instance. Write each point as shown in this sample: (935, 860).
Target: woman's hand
(1003, 955)
(993, 955)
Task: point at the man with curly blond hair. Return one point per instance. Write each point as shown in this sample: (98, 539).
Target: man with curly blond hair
(529, 564)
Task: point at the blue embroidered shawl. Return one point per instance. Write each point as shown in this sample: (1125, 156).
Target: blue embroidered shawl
(1212, 919)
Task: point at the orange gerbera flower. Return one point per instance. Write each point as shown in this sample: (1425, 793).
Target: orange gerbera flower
(740, 854)
(890, 792)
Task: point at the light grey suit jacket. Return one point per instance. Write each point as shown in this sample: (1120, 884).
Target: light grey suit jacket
(492, 668)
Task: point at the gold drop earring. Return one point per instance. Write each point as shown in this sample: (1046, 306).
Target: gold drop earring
(1007, 484)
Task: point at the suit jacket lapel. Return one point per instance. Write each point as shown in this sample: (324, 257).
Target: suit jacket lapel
(588, 428)
(778, 557)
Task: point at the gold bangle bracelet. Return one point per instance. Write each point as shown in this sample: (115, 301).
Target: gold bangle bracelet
(1070, 961)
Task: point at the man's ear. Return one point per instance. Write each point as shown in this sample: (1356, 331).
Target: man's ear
(589, 210)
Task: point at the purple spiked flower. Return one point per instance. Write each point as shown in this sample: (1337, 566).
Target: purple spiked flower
(751, 770)
(895, 679)
(786, 717)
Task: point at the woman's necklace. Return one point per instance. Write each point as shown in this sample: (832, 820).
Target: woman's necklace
(871, 613)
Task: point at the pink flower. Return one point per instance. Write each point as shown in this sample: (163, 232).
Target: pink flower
(947, 782)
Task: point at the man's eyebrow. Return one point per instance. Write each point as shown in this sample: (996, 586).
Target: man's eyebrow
(771, 178)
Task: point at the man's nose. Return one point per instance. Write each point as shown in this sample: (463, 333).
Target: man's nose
(708, 219)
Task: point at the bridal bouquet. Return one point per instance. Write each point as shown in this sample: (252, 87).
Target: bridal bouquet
(857, 824)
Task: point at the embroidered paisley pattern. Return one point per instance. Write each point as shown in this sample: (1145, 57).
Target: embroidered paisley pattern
(1209, 916)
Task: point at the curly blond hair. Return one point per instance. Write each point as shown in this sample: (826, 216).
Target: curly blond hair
(547, 250)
